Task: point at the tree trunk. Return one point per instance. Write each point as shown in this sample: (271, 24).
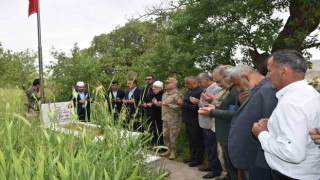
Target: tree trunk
(304, 18)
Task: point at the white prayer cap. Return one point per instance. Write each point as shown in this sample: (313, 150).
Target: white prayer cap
(80, 83)
(159, 84)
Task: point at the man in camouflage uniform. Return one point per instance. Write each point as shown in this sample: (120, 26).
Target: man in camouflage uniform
(34, 95)
(171, 116)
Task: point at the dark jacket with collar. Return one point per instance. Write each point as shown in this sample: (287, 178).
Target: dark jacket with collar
(109, 96)
(135, 107)
(224, 113)
(244, 149)
(155, 111)
(82, 111)
(190, 110)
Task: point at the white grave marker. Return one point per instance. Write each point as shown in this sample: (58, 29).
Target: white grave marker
(56, 113)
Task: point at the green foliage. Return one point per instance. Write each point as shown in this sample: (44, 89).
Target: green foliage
(67, 70)
(17, 68)
(315, 83)
(119, 51)
(29, 151)
(213, 31)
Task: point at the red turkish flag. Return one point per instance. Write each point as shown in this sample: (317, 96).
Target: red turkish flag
(33, 7)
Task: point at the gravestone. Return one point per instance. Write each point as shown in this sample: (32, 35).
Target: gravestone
(56, 113)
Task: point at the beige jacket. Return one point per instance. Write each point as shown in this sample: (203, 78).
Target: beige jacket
(173, 111)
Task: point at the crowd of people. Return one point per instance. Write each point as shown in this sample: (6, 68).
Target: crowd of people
(266, 127)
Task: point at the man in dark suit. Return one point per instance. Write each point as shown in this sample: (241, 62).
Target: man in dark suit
(133, 104)
(114, 97)
(81, 100)
(145, 96)
(191, 120)
(244, 149)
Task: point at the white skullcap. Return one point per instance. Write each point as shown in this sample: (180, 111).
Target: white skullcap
(80, 83)
(159, 84)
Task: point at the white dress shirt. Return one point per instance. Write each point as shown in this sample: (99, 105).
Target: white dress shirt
(287, 146)
(131, 92)
(82, 97)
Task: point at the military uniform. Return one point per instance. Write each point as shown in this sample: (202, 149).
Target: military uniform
(171, 116)
(33, 104)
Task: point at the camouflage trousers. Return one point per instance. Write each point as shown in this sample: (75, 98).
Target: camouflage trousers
(171, 130)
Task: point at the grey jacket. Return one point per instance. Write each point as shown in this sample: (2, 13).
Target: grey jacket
(244, 149)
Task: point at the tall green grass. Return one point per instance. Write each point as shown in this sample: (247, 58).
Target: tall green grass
(29, 151)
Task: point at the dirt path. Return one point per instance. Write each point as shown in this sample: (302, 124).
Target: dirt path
(181, 171)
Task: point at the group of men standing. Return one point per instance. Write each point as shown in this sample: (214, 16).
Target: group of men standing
(272, 132)
(265, 125)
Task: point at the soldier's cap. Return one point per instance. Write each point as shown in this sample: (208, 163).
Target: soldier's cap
(171, 80)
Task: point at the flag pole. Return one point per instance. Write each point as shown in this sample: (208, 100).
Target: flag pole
(40, 54)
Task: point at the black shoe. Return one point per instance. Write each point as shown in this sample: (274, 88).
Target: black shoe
(194, 164)
(205, 169)
(223, 178)
(187, 160)
(211, 175)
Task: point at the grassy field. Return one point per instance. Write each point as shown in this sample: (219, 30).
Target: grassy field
(29, 151)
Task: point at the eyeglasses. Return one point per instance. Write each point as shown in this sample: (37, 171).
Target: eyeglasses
(219, 81)
(148, 79)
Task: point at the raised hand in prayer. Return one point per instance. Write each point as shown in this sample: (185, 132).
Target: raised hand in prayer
(179, 101)
(315, 135)
(243, 96)
(209, 97)
(194, 100)
(260, 126)
(204, 111)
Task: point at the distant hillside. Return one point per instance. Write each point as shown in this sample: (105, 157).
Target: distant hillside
(315, 65)
(315, 71)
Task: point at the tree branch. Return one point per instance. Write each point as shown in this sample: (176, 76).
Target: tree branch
(303, 20)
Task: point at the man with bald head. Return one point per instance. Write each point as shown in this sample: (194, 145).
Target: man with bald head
(191, 120)
(289, 149)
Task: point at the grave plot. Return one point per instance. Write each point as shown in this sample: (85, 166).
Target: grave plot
(60, 117)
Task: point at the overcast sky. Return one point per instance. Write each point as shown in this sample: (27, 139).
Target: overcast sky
(65, 22)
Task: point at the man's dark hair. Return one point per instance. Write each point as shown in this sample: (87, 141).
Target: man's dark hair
(134, 81)
(36, 82)
(292, 58)
(115, 82)
(150, 75)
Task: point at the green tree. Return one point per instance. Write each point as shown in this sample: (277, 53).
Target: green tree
(17, 68)
(209, 32)
(67, 70)
(120, 51)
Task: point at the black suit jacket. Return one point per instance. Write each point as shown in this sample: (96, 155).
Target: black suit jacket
(190, 110)
(82, 111)
(244, 149)
(120, 95)
(136, 106)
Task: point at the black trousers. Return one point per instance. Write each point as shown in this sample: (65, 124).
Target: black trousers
(276, 175)
(231, 170)
(211, 145)
(196, 143)
(83, 114)
(156, 131)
